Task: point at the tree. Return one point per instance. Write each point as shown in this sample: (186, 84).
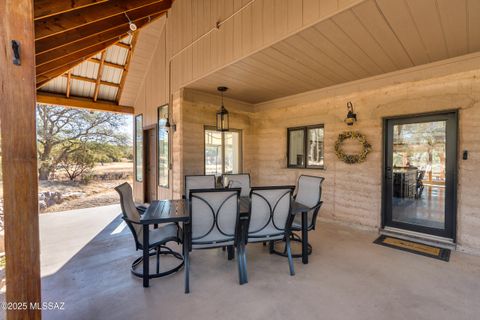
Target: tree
(78, 162)
(64, 131)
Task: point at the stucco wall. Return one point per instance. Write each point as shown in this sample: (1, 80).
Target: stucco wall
(352, 193)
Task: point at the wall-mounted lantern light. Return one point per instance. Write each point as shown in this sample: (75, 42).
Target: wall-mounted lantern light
(351, 115)
(222, 114)
(169, 125)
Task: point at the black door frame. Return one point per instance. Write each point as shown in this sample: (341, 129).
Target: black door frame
(451, 116)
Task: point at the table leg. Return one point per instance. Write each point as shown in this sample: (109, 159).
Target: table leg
(186, 261)
(304, 237)
(146, 255)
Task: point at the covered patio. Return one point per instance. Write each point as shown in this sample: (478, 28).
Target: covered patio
(379, 99)
(347, 278)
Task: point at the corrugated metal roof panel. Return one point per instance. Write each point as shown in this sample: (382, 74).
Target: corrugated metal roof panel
(116, 54)
(86, 69)
(57, 85)
(127, 39)
(107, 93)
(82, 88)
(111, 74)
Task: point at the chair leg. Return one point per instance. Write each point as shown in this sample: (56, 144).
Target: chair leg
(270, 248)
(230, 252)
(289, 254)
(158, 259)
(244, 263)
(242, 266)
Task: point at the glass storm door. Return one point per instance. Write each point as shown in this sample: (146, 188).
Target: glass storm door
(420, 174)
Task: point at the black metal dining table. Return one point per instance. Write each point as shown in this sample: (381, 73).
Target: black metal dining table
(177, 211)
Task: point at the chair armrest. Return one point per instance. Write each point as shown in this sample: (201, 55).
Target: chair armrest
(131, 221)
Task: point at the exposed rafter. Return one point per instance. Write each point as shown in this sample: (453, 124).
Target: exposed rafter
(102, 26)
(69, 83)
(104, 83)
(108, 64)
(63, 22)
(99, 75)
(46, 8)
(70, 32)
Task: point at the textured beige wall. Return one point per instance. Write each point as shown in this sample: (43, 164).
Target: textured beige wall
(352, 193)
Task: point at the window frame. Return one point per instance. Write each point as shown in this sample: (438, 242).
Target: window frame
(305, 130)
(240, 160)
(136, 128)
(160, 127)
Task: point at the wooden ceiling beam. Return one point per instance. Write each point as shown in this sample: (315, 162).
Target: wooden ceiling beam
(99, 76)
(77, 102)
(115, 33)
(80, 78)
(79, 33)
(46, 8)
(108, 64)
(73, 19)
(69, 82)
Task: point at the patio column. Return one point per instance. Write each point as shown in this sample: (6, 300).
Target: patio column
(19, 157)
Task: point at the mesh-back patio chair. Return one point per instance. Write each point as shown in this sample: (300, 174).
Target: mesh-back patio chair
(239, 180)
(308, 193)
(214, 221)
(270, 218)
(198, 182)
(159, 237)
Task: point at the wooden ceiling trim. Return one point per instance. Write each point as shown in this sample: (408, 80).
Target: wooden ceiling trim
(125, 71)
(79, 33)
(116, 33)
(99, 75)
(84, 103)
(69, 20)
(46, 8)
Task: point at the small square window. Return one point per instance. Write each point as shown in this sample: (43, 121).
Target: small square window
(305, 147)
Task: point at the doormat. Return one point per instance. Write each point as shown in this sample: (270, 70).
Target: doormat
(414, 247)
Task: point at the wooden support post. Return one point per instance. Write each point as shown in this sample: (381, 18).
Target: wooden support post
(19, 159)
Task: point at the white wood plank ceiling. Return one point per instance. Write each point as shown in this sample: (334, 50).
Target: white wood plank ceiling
(371, 38)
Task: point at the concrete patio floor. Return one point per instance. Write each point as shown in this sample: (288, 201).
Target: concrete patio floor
(86, 256)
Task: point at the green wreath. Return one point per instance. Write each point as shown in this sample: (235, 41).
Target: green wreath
(352, 158)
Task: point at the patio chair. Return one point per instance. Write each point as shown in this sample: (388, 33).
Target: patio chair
(214, 222)
(199, 182)
(159, 237)
(239, 180)
(419, 185)
(270, 219)
(308, 193)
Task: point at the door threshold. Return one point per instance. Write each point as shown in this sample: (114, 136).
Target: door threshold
(428, 239)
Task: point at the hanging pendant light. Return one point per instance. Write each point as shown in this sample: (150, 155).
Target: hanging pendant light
(222, 115)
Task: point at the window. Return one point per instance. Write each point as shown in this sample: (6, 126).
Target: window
(163, 147)
(139, 148)
(305, 147)
(223, 151)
